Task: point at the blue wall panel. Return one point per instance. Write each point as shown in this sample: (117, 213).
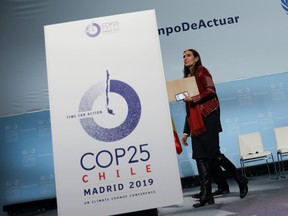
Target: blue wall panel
(250, 105)
(27, 171)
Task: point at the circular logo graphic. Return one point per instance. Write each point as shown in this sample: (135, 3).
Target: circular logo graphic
(93, 30)
(122, 130)
(284, 4)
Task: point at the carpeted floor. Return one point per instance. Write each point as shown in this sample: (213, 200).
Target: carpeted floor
(266, 197)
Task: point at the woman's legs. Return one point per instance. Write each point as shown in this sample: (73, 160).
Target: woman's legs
(205, 182)
(217, 175)
(229, 166)
(219, 179)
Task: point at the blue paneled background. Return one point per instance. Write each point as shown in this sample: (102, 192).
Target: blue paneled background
(250, 105)
(27, 173)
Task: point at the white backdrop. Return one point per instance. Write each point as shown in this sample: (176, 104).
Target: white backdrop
(106, 133)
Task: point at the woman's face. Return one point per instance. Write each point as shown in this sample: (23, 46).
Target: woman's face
(189, 59)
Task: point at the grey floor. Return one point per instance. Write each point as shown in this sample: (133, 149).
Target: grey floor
(266, 196)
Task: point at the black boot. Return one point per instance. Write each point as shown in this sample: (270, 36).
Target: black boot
(205, 181)
(217, 175)
(220, 180)
(197, 195)
(221, 190)
(241, 180)
(243, 185)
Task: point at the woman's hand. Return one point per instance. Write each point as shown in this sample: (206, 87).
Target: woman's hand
(187, 99)
(184, 139)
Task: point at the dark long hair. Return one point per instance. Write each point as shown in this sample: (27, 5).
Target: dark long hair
(186, 70)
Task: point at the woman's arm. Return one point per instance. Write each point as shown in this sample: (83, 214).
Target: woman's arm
(207, 90)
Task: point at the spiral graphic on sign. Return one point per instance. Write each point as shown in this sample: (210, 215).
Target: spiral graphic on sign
(127, 126)
(284, 4)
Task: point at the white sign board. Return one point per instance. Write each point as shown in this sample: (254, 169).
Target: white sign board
(113, 142)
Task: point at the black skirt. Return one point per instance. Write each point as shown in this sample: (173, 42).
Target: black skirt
(207, 145)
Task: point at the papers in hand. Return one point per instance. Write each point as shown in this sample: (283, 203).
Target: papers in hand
(175, 87)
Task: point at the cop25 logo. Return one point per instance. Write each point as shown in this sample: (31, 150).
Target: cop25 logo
(284, 4)
(93, 29)
(98, 97)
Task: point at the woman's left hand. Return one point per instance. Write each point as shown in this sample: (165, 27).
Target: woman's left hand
(188, 99)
